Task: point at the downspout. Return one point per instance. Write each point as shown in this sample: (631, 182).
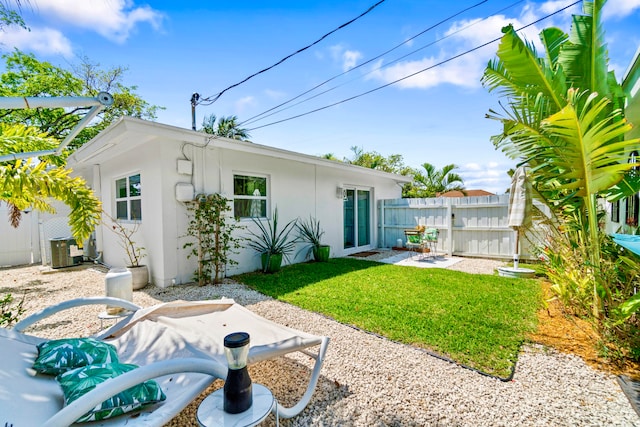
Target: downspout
(97, 190)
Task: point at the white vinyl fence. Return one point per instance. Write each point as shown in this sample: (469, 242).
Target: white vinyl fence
(468, 226)
(30, 243)
(20, 245)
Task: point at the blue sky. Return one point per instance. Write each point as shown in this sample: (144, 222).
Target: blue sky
(173, 49)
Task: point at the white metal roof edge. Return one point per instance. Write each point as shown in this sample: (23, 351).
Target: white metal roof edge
(635, 61)
(101, 144)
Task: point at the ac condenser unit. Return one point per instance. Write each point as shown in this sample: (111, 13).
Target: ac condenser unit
(65, 253)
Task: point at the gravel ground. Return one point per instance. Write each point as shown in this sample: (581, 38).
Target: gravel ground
(366, 380)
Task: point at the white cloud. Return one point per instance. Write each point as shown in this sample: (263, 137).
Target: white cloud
(465, 71)
(45, 41)
(620, 8)
(113, 19)
(491, 177)
(350, 59)
(346, 57)
(242, 103)
(464, 35)
(274, 94)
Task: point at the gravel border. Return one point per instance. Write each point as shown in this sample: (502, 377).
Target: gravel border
(366, 380)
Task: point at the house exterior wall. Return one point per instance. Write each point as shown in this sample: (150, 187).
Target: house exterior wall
(298, 188)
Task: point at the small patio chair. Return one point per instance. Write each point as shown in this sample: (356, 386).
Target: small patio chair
(179, 344)
(414, 241)
(430, 240)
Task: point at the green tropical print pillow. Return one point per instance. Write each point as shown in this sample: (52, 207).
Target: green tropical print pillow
(58, 356)
(414, 238)
(78, 382)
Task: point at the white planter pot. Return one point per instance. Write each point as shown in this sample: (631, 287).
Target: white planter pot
(118, 284)
(140, 276)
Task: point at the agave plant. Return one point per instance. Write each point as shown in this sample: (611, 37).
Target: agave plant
(311, 233)
(271, 241)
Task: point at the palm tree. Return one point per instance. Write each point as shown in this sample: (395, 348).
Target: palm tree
(435, 181)
(30, 184)
(563, 119)
(227, 127)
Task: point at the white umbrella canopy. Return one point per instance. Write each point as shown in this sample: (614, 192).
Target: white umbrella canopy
(520, 206)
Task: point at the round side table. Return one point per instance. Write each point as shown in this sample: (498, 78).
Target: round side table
(211, 411)
(106, 316)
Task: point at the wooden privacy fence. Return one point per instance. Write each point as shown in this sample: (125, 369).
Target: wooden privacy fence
(468, 226)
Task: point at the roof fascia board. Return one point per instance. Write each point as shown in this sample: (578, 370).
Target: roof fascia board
(125, 125)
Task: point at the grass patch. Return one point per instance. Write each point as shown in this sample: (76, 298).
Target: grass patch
(477, 320)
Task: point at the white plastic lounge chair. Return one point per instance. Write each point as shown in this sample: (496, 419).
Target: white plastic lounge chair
(179, 344)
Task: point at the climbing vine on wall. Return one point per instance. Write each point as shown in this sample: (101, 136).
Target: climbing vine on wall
(212, 228)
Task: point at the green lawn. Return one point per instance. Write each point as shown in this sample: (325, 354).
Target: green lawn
(477, 320)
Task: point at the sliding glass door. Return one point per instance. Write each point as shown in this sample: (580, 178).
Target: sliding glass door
(357, 218)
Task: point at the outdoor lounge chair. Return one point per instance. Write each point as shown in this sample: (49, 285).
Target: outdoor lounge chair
(179, 344)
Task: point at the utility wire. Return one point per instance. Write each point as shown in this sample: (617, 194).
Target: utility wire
(211, 99)
(254, 118)
(264, 114)
(413, 74)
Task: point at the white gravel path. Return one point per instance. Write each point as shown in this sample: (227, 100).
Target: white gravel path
(366, 380)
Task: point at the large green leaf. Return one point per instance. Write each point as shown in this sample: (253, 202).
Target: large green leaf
(552, 39)
(589, 151)
(525, 71)
(584, 57)
(25, 184)
(628, 186)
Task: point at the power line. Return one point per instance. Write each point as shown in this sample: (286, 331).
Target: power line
(264, 114)
(413, 74)
(211, 99)
(254, 118)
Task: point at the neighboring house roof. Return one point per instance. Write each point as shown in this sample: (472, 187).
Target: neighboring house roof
(128, 133)
(470, 193)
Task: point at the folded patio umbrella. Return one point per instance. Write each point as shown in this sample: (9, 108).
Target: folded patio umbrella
(520, 206)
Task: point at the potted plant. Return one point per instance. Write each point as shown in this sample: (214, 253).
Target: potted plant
(311, 233)
(271, 243)
(135, 253)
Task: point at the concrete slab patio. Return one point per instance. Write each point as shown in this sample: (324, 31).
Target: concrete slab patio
(412, 259)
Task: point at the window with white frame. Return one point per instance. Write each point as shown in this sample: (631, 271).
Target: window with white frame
(250, 196)
(129, 198)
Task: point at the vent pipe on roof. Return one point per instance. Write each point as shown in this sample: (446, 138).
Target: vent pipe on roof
(194, 101)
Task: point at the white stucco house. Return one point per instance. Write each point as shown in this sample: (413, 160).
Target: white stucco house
(146, 170)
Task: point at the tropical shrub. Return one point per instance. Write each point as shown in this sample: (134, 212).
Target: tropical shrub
(563, 118)
(10, 310)
(212, 229)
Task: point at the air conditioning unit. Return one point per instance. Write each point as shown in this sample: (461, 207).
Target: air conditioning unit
(65, 252)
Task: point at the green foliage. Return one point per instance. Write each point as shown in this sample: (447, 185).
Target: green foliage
(227, 127)
(432, 181)
(477, 320)
(270, 240)
(212, 229)
(375, 160)
(25, 75)
(10, 17)
(25, 184)
(309, 231)
(10, 311)
(562, 119)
